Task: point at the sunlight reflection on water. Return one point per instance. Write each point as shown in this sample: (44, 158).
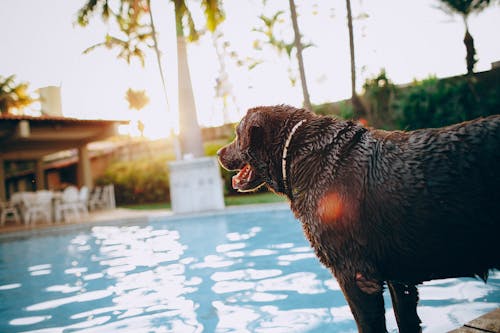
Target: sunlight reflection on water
(250, 272)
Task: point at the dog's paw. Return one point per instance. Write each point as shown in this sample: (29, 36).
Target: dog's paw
(368, 286)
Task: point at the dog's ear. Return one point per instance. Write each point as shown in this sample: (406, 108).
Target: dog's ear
(254, 137)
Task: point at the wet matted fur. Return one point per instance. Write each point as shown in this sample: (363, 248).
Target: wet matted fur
(378, 206)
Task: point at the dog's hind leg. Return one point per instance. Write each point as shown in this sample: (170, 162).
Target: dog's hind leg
(367, 308)
(404, 301)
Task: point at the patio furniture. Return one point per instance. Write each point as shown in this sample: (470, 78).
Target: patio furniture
(37, 204)
(83, 200)
(95, 201)
(108, 196)
(103, 197)
(16, 199)
(8, 211)
(67, 207)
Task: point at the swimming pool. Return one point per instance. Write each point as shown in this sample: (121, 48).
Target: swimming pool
(243, 271)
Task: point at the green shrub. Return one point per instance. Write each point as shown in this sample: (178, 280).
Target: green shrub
(346, 110)
(435, 103)
(379, 92)
(139, 181)
(342, 109)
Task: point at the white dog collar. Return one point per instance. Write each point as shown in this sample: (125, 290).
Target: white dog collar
(285, 152)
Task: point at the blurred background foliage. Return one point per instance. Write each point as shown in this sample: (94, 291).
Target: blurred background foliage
(431, 102)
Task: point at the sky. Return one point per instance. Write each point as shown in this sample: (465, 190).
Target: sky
(42, 45)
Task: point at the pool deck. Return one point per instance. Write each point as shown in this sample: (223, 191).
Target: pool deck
(93, 218)
(124, 215)
(488, 323)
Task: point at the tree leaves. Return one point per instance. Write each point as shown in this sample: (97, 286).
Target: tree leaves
(136, 31)
(464, 7)
(13, 95)
(213, 13)
(137, 99)
(128, 16)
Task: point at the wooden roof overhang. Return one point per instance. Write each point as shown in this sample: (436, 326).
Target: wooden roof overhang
(31, 138)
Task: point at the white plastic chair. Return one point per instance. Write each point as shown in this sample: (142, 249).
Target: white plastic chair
(95, 201)
(83, 200)
(37, 204)
(108, 197)
(8, 211)
(16, 199)
(68, 205)
(103, 197)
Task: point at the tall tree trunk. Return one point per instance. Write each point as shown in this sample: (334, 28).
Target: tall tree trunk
(157, 51)
(470, 57)
(298, 46)
(359, 110)
(190, 132)
(156, 47)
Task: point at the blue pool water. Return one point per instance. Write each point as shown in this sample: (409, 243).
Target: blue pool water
(247, 271)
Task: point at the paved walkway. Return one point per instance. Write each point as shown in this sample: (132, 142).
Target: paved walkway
(119, 214)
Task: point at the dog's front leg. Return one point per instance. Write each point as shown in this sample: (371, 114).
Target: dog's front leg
(366, 303)
(404, 301)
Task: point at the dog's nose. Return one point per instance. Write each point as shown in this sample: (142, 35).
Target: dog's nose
(221, 151)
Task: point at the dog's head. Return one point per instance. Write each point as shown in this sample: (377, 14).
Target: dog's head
(257, 150)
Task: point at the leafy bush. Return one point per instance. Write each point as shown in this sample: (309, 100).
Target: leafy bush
(435, 103)
(346, 110)
(139, 181)
(146, 180)
(342, 109)
(379, 92)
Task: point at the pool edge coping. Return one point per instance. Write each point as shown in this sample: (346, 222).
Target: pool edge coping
(148, 216)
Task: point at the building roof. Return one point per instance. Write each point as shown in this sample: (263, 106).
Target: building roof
(46, 118)
(27, 138)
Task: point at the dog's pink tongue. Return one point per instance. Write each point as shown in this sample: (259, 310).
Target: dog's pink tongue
(242, 176)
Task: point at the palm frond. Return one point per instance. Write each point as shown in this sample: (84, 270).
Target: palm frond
(214, 13)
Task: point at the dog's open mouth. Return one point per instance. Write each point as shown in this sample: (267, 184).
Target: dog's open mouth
(246, 180)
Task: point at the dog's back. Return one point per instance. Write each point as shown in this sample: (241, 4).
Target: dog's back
(439, 190)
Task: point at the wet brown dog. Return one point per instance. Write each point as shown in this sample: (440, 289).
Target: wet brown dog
(379, 207)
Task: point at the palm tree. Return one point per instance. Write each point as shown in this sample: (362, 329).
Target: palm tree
(357, 105)
(464, 8)
(300, 60)
(128, 17)
(13, 95)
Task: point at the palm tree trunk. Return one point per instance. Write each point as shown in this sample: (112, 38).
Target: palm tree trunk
(359, 110)
(190, 132)
(157, 51)
(298, 46)
(351, 47)
(470, 57)
(156, 47)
